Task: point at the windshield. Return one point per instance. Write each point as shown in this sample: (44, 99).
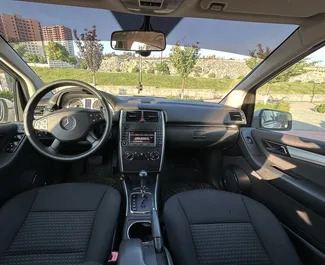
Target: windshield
(218, 54)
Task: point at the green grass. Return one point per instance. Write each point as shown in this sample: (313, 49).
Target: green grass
(293, 88)
(131, 79)
(276, 106)
(7, 94)
(167, 81)
(320, 108)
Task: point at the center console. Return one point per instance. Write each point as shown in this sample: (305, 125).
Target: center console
(141, 152)
(142, 137)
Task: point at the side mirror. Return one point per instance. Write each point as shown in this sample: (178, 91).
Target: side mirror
(135, 40)
(270, 119)
(7, 111)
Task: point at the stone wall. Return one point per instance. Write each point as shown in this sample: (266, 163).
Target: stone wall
(162, 92)
(204, 67)
(201, 94)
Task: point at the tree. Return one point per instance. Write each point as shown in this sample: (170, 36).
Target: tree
(163, 68)
(34, 58)
(56, 51)
(19, 48)
(299, 68)
(257, 55)
(260, 52)
(184, 60)
(90, 49)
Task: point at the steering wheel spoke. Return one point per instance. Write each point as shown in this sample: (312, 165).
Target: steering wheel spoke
(41, 124)
(96, 117)
(54, 148)
(92, 139)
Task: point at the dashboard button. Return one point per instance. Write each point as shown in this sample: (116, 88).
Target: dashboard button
(154, 155)
(129, 155)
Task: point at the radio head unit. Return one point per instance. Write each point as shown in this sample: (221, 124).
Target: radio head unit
(142, 138)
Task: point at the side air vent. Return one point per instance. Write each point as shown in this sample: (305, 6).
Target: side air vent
(39, 110)
(133, 116)
(150, 116)
(235, 116)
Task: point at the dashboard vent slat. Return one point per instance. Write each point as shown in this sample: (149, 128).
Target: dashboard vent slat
(133, 116)
(150, 116)
(235, 116)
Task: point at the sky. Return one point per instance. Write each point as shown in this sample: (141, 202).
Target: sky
(228, 39)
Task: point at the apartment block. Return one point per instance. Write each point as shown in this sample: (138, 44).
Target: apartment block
(60, 34)
(14, 28)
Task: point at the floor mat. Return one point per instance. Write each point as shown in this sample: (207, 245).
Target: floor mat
(171, 188)
(95, 170)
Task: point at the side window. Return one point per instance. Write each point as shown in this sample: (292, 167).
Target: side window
(299, 90)
(7, 86)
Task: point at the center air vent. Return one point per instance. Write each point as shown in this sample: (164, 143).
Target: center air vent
(150, 116)
(235, 116)
(133, 116)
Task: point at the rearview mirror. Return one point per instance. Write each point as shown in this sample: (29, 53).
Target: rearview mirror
(270, 119)
(135, 40)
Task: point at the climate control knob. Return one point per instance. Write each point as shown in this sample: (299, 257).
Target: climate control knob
(129, 155)
(154, 155)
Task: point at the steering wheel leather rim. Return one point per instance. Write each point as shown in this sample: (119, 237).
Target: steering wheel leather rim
(29, 119)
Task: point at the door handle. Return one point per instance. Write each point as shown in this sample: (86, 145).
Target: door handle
(276, 148)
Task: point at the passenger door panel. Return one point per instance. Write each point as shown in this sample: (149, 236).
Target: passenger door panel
(288, 175)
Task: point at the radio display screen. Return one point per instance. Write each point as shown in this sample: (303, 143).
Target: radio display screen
(142, 138)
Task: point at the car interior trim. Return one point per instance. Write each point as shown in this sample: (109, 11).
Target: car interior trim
(163, 140)
(120, 144)
(156, 193)
(306, 156)
(126, 196)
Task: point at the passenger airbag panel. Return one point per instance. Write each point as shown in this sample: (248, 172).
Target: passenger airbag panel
(200, 136)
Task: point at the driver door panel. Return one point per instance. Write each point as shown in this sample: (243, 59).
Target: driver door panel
(21, 167)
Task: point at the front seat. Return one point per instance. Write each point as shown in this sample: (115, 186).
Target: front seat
(59, 224)
(216, 227)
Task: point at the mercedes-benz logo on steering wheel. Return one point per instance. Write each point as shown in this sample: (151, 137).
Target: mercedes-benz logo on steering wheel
(68, 123)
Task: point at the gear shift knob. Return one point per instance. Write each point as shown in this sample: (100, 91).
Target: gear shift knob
(143, 174)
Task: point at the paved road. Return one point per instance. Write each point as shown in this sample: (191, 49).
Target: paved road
(307, 122)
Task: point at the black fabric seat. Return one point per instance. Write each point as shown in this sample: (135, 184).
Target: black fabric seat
(215, 227)
(59, 224)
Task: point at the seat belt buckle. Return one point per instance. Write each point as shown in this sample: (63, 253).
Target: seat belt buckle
(113, 257)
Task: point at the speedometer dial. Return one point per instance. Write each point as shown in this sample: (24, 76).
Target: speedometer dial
(76, 103)
(97, 105)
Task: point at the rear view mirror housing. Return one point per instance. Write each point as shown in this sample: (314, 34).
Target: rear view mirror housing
(270, 119)
(138, 40)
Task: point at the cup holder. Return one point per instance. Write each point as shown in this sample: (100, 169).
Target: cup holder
(140, 230)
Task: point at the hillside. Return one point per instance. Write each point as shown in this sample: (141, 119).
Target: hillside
(220, 68)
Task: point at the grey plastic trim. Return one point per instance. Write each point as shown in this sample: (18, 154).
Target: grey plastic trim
(156, 193)
(163, 140)
(306, 156)
(126, 195)
(120, 141)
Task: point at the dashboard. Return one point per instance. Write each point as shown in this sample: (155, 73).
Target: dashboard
(187, 123)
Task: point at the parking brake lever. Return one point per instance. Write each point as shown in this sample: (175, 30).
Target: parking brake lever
(156, 232)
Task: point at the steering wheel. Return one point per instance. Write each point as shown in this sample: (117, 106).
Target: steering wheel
(67, 125)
